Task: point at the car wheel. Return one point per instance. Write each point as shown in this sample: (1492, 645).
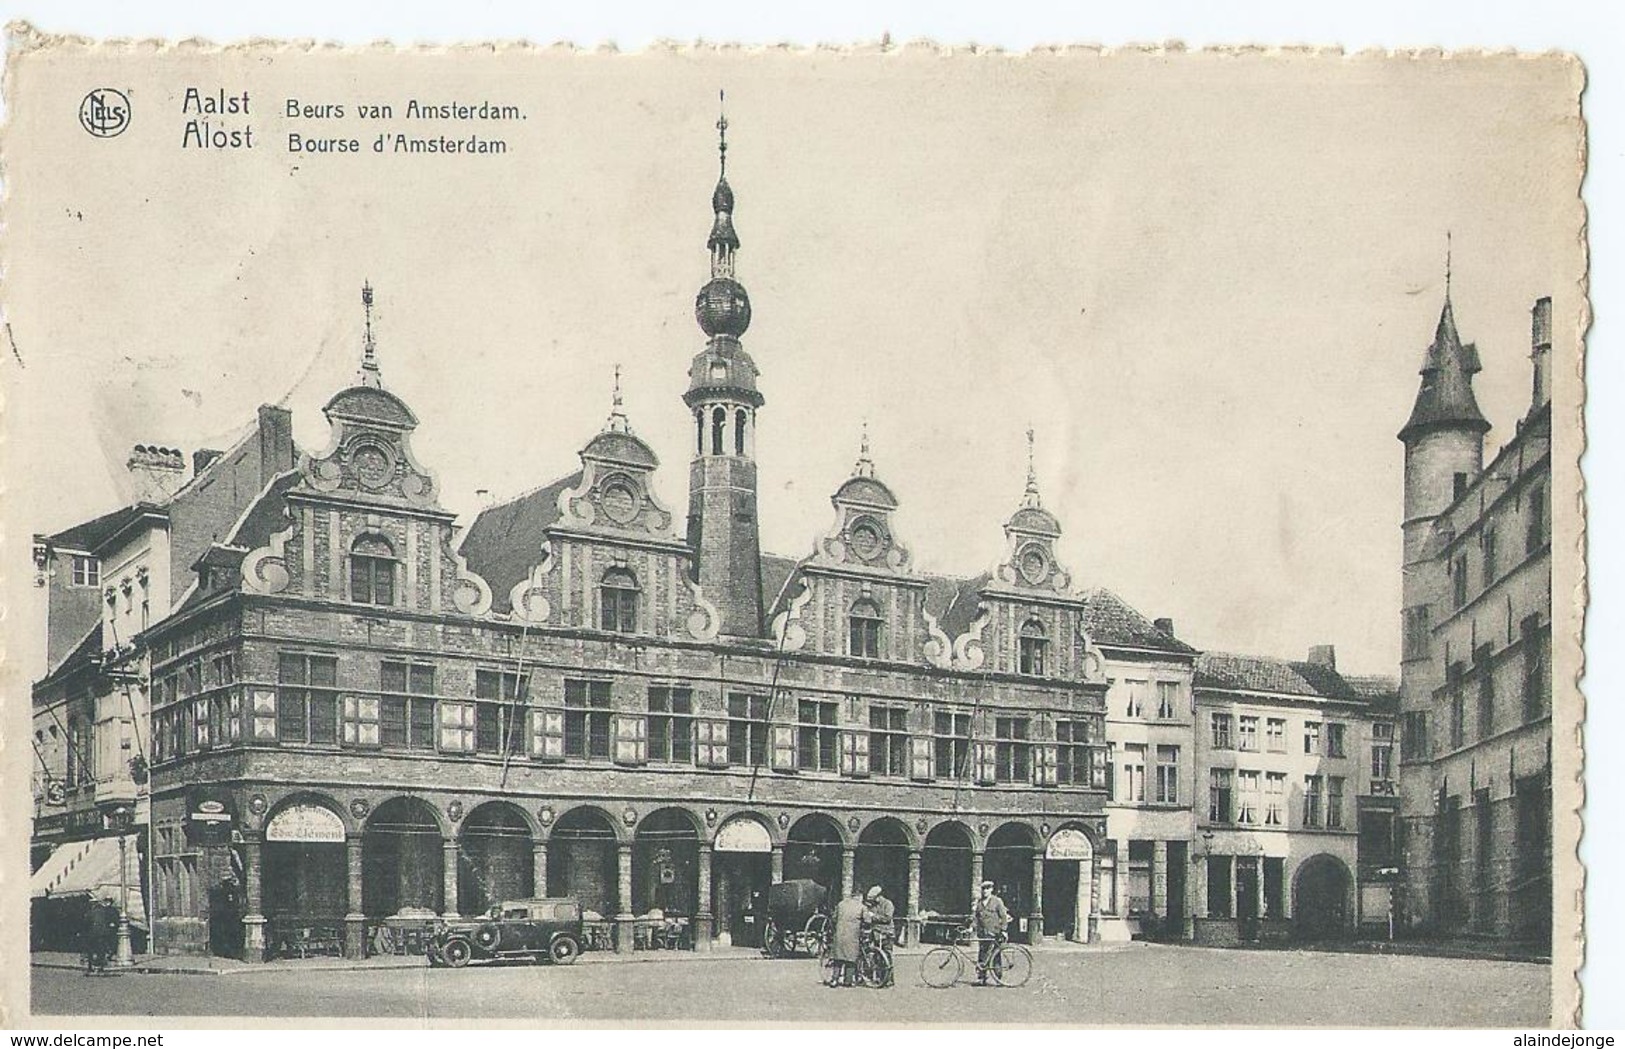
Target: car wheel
(488, 936)
(565, 950)
(457, 953)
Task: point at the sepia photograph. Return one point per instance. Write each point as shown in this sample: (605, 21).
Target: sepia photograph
(896, 535)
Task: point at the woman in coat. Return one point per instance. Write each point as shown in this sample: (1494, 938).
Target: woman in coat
(844, 946)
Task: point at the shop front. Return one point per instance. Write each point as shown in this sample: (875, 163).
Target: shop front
(742, 870)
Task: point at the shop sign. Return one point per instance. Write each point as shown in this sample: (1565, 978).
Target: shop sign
(742, 834)
(210, 816)
(1069, 844)
(305, 822)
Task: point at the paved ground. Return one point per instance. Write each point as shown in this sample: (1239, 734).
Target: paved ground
(1126, 984)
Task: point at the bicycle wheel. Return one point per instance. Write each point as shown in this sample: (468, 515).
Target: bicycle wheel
(1011, 966)
(818, 934)
(941, 967)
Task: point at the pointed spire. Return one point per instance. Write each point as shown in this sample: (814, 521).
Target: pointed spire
(369, 349)
(1445, 399)
(865, 466)
(722, 132)
(1029, 499)
(617, 422)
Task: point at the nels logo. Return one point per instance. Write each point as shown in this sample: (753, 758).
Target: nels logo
(105, 112)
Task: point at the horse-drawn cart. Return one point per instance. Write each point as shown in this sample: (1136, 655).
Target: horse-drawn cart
(798, 921)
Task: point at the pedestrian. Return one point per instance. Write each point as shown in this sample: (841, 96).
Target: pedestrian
(879, 915)
(990, 919)
(846, 943)
(101, 935)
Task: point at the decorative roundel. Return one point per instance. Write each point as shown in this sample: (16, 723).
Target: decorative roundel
(866, 540)
(920, 824)
(455, 811)
(620, 502)
(359, 808)
(373, 465)
(784, 819)
(1034, 565)
(257, 804)
(629, 816)
(853, 823)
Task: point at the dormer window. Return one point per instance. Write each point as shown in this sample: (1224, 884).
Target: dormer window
(1034, 648)
(618, 601)
(372, 571)
(863, 637)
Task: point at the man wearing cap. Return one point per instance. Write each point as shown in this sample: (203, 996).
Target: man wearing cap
(989, 917)
(879, 915)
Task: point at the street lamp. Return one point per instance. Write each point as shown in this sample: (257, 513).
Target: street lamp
(1207, 847)
(116, 800)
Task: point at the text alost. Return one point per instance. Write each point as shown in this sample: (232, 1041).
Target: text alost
(202, 134)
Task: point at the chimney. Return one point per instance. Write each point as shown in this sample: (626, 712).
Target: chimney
(203, 458)
(1540, 351)
(1323, 656)
(1165, 625)
(156, 472)
(276, 442)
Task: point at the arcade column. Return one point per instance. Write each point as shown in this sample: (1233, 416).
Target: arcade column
(355, 922)
(448, 855)
(848, 855)
(1035, 918)
(623, 888)
(253, 918)
(778, 864)
(913, 912)
(702, 902)
(538, 868)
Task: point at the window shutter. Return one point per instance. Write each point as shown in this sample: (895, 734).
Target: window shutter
(631, 739)
(1100, 770)
(264, 714)
(986, 763)
(854, 753)
(547, 735)
(1044, 765)
(919, 758)
(234, 716)
(711, 744)
(784, 747)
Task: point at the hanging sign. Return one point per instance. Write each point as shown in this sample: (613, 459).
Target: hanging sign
(305, 822)
(210, 816)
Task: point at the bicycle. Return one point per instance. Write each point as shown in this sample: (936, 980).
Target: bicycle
(1010, 964)
(874, 968)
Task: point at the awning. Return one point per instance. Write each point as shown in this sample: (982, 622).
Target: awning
(90, 868)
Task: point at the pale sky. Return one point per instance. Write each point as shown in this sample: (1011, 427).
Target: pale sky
(1206, 282)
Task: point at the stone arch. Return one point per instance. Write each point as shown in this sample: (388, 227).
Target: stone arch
(945, 868)
(311, 797)
(881, 857)
(583, 859)
(750, 816)
(403, 859)
(813, 848)
(577, 813)
(304, 864)
(495, 856)
(1322, 897)
(1008, 862)
(665, 863)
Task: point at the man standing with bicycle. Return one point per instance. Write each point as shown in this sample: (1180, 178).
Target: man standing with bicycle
(880, 915)
(989, 917)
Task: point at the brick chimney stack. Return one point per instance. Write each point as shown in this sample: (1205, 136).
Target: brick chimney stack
(1165, 625)
(1540, 351)
(156, 472)
(1323, 656)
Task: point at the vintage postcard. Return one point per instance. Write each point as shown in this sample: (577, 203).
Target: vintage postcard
(907, 534)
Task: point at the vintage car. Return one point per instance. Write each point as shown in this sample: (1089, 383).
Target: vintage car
(529, 929)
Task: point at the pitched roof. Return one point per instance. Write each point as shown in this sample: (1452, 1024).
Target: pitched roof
(1109, 620)
(505, 540)
(1223, 670)
(82, 655)
(776, 572)
(91, 534)
(266, 515)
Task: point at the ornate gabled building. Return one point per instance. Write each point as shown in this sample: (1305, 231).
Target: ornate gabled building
(582, 698)
(1476, 672)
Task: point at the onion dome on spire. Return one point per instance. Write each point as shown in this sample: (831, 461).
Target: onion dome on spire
(1446, 399)
(722, 306)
